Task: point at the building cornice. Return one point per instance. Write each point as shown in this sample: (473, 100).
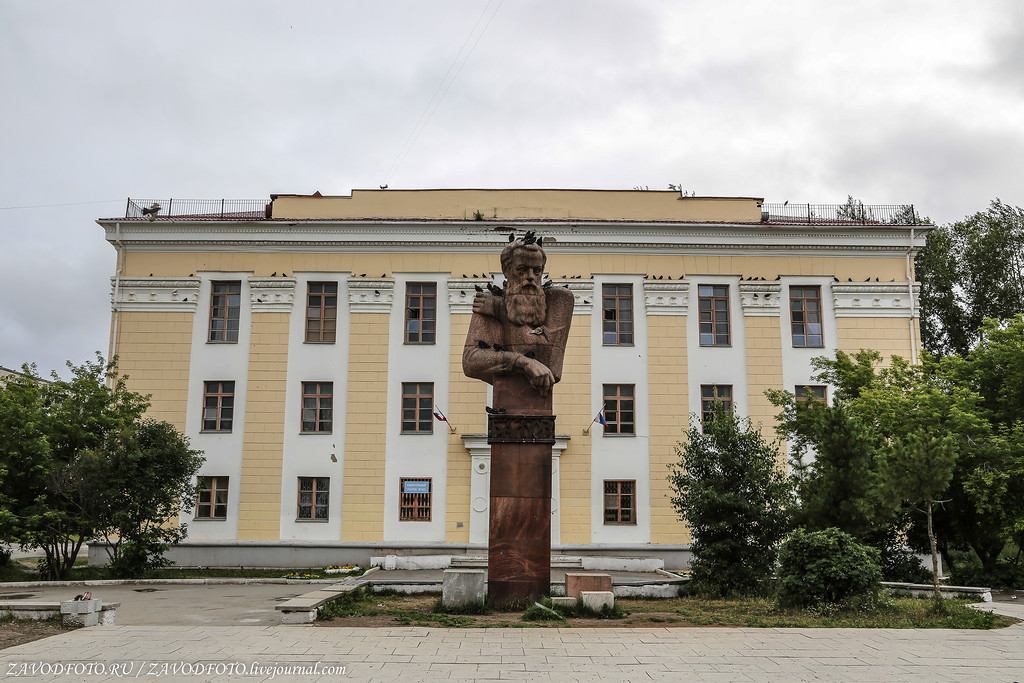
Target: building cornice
(271, 294)
(370, 295)
(161, 294)
(560, 237)
(666, 298)
(760, 298)
(874, 299)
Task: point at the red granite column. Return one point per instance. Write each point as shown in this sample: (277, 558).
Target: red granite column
(519, 548)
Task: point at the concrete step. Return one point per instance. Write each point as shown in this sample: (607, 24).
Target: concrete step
(480, 562)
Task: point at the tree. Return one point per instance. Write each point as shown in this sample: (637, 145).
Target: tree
(66, 449)
(149, 470)
(955, 400)
(970, 270)
(838, 488)
(917, 470)
(729, 488)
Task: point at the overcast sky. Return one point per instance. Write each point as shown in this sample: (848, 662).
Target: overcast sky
(915, 102)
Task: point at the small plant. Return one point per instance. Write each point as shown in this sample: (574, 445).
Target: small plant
(827, 567)
(539, 612)
(478, 215)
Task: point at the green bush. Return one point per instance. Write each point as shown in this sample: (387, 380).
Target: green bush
(825, 567)
(1007, 573)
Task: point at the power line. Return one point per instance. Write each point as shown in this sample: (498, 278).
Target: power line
(47, 206)
(443, 87)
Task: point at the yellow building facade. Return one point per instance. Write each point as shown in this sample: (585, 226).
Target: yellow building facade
(310, 346)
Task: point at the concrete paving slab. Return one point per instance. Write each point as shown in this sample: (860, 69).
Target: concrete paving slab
(411, 654)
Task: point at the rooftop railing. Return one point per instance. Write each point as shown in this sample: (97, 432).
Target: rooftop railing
(851, 213)
(198, 209)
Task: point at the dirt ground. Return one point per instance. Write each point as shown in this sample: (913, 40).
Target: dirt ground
(21, 631)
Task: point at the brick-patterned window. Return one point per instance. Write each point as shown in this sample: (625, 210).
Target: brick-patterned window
(711, 394)
(414, 497)
(619, 411)
(218, 406)
(805, 392)
(805, 315)
(417, 407)
(420, 313)
(314, 498)
(617, 303)
(713, 304)
(620, 501)
(212, 498)
(225, 304)
(317, 406)
(321, 311)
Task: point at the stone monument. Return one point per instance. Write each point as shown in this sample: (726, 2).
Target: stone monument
(516, 343)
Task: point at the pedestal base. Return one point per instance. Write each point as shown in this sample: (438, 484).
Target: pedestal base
(519, 544)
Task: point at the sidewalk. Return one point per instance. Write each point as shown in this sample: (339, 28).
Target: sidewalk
(562, 655)
(229, 632)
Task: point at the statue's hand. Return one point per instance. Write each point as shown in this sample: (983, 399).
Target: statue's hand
(540, 375)
(486, 303)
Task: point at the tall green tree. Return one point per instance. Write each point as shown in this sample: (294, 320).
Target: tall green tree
(970, 270)
(728, 486)
(967, 404)
(78, 459)
(917, 469)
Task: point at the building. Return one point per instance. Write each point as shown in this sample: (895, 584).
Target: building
(305, 344)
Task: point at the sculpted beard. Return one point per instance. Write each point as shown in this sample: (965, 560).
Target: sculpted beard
(525, 307)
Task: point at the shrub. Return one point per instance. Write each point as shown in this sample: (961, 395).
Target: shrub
(730, 490)
(825, 567)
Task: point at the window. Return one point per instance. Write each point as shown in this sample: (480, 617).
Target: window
(713, 302)
(314, 496)
(321, 311)
(225, 303)
(620, 502)
(617, 302)
(806, 391)
(417, 407)
(414, 497)
(805, 315)
(420, 312)
(711, 394)
(212, 498)
(317, 406)
(618, 409)
(218, 406)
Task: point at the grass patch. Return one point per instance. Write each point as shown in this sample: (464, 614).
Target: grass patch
(541, 612)
(762, 612)
(580, 611)
(422, 610)
(469, 608)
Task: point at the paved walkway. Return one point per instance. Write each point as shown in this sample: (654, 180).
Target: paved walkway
(264, 653)
(230, 632)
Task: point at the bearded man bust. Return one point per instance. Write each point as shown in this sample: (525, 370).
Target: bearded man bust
(522, 330)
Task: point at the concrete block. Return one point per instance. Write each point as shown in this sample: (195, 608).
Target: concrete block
(82, 619)
(298, 617)
(463, 587)
(108, 615)
(563, 601)
(623, 564)
(595, 600)
(81, 606)
(577, 582)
